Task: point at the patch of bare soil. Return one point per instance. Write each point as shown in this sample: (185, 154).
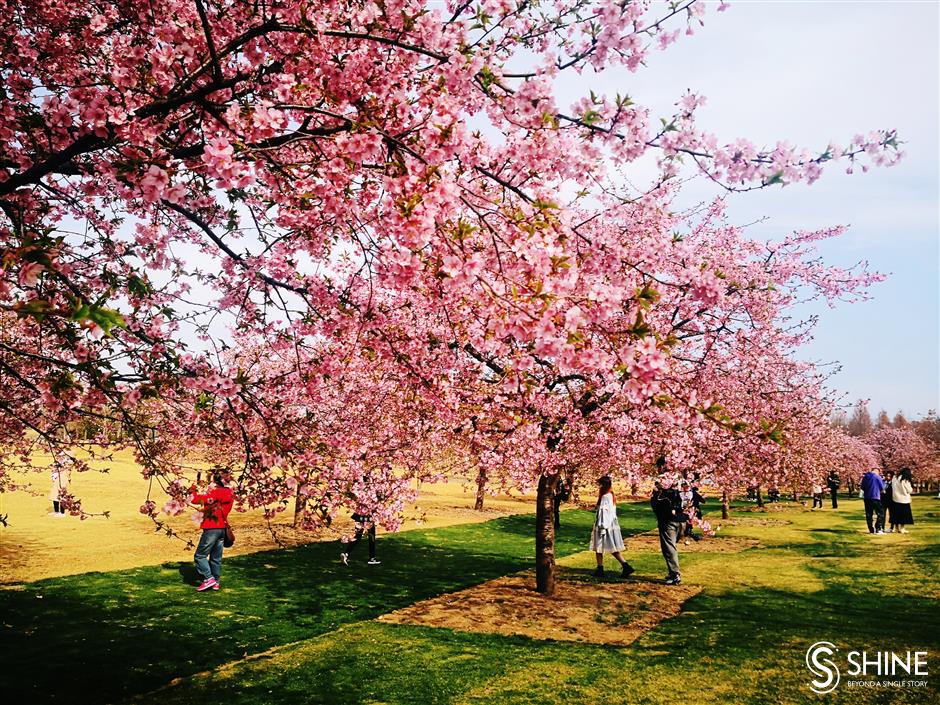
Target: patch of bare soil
(715, 544)
(775, 507)
(581, 610)
(755, 521)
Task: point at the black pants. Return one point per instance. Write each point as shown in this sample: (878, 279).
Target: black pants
(835, 499)
(359, 532)
(817, 501)
(873, 508)
(57, 507)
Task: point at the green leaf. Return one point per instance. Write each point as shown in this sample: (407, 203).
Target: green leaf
(138, 287)
(37, 308)
(106, 319)
(591, 117)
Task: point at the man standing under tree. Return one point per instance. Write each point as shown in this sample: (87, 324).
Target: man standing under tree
(833, 483)
(667, 507)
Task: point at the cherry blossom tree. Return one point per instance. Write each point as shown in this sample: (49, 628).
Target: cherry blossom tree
(896, 448)
(331, 236)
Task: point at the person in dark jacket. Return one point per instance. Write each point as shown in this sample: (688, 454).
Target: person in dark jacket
(833, 483)
(691, 507)
(667, 506)
(886, 504)
(872, 486)
(562, 494)
(364, 526)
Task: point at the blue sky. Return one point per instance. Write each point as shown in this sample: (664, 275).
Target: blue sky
(810, 72)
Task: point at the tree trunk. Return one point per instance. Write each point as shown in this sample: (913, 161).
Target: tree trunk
(851, 487)
(724, 504)
(760, 499)
(545, 535)
(796, 495)
(300, 502)
(481, 490)
(634, 488)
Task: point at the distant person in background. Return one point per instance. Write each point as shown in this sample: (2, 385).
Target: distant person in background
(606, 536)
(217, 502)
(773, 494)
(691, 509)
(364, 524)
(697, 500)
(902, 487)
(562, 494)
(817, 496)
(886, 504)
(668, 507)
(61, 477)
(871, 487)
(833, 483)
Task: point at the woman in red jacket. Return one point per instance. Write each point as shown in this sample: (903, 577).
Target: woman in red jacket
(217, 503)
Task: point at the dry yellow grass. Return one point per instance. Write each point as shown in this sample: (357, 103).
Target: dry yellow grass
(36, 545)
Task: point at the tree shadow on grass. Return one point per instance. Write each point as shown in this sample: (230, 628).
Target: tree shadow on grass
(187, 572)
(144, 627)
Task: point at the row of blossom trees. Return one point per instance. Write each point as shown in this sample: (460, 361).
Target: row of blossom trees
(337, 244)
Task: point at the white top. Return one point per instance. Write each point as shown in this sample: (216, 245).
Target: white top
(606, 513)
(606, 536)
(61, 475)
(901, 491)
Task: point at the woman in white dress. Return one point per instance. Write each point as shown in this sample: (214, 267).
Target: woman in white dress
(606, 537)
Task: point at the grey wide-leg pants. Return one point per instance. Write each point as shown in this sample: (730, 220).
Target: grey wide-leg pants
(668, 538)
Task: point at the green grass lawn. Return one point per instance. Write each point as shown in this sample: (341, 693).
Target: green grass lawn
(294, 626)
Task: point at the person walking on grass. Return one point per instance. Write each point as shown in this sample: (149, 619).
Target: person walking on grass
(606, 536)
(217, 502)
(833, 483)
(667, 507)
(872, 486)
(902, 486)
(364, 524)
(817, 495)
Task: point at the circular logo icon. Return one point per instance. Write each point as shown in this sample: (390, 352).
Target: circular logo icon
(821, 666)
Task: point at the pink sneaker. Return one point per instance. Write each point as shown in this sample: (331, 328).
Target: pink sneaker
(207, 585)
(217, 586)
